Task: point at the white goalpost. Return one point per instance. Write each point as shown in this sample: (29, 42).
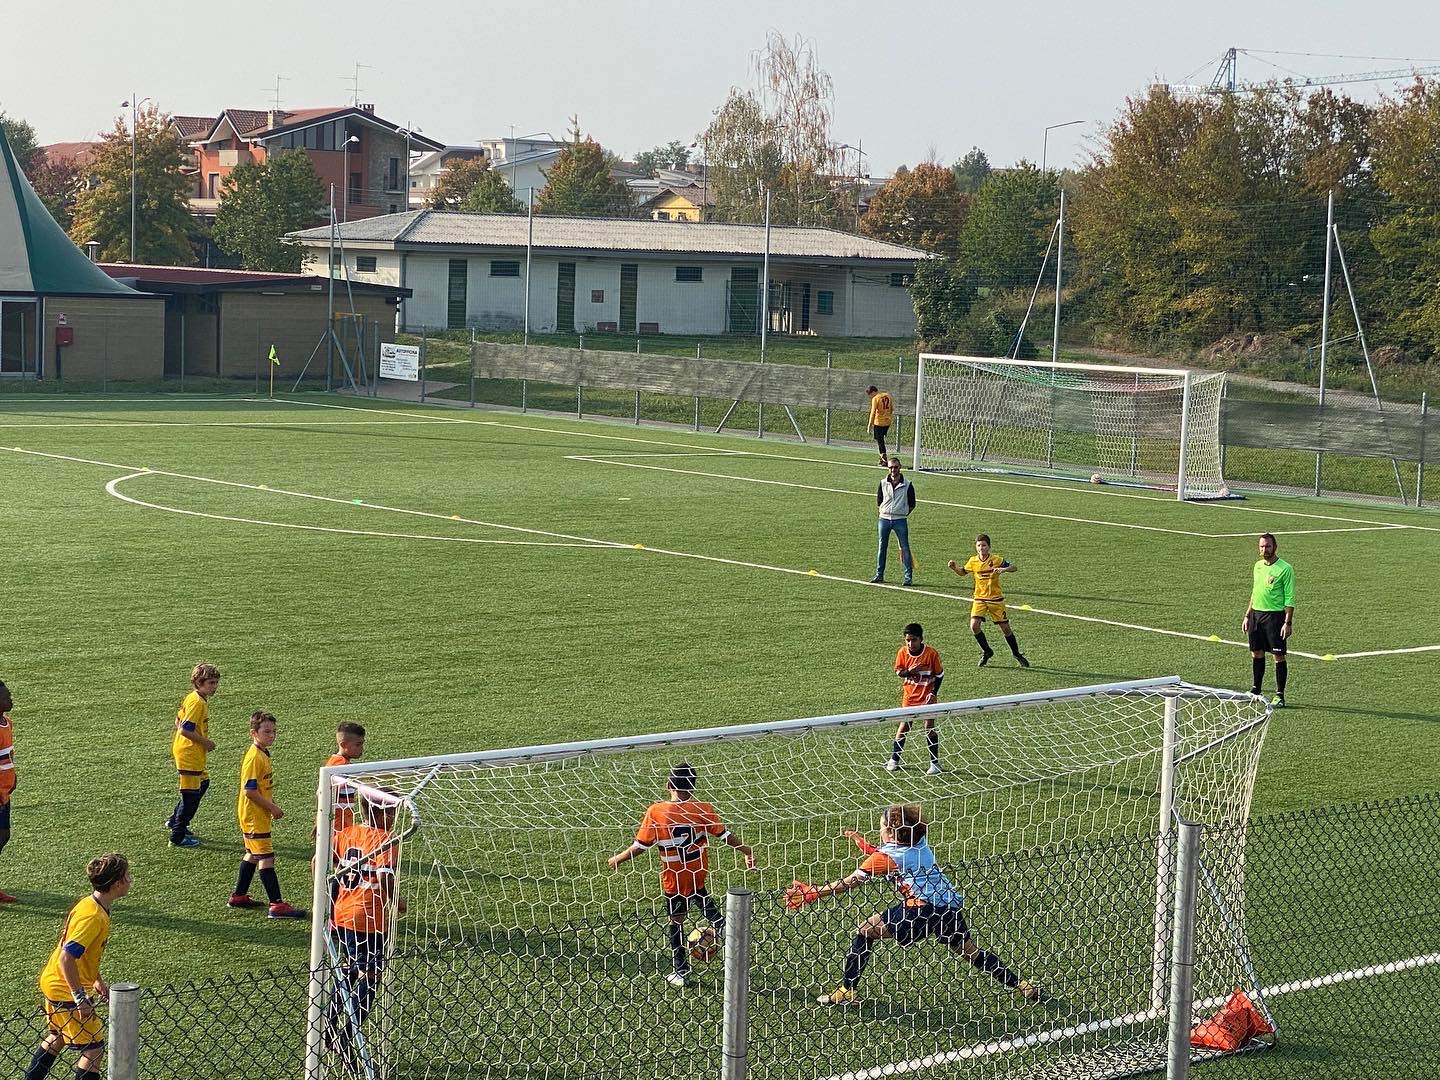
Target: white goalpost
(1152, 427)
(507, 947)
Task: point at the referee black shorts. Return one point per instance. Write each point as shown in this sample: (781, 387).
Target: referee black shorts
(1265, 632)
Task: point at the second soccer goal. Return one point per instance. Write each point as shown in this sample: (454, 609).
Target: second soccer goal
(1150, 427)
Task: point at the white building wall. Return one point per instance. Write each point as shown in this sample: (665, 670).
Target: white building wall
(683, 307)
(496, 303)
(592, 274)
(429, 277)
(879, 308)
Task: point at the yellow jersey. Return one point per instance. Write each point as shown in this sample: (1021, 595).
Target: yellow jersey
(987, 576)
(193, 717)
(882, 410)
(256, 775)
(83, 937)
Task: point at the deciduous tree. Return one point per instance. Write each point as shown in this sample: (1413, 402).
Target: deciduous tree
(261, 203)
(473, 186)
(580, 184)
(920, 207)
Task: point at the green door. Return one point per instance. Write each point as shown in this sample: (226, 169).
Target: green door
(455, 297)
(744, 296)
(565, 299)
(629, 293)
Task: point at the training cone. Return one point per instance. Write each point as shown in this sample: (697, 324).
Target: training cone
(1237, 1022)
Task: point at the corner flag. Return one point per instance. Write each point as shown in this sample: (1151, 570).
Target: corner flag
(273, 358)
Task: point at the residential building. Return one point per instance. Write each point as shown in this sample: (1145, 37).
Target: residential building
(368, 179)
(596, 275)
(426, 169)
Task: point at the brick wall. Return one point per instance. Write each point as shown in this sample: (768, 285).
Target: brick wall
(294, 323)
(114, 339)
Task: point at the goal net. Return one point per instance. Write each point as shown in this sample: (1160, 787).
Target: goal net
(503, 944)
(1154, 427)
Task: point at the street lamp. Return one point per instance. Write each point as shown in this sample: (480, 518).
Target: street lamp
(407, 131)
(1045, 145)
(859, 153)
(134, 106)
(345, 176)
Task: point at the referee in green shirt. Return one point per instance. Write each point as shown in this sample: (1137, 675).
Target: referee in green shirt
(1270, 617)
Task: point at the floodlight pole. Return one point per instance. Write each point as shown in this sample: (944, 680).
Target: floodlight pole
(1325, 316)
(330, 296)
(134, 119)
(1059, 263)
(529, 248)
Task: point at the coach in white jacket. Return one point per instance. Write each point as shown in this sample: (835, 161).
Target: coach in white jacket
(895, 498)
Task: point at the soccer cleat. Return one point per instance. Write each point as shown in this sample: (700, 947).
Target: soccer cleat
(187, 840)
(1278, 701)
(1032, 992)
(1254, 691)
(892, 765)
(676, 979)
(907, 583)
(6, 898)
(283, 910)
(877, 580)
(934, 769)
(240, 900)
(985, 657)
(841, 995)
(1020, 659)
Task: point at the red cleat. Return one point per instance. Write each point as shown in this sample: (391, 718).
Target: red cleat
(6, 898)
(240, 900)
(283, 910)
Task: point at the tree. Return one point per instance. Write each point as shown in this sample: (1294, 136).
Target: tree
(742, 157)
(580, 184)
(943, 296)
(800, 96)
(58, 181)
(23, 143)
(920, 207)
(261, 203)
(673, 155)
(163, 221)
(1003, 239)
(971, 171)
(473, 186)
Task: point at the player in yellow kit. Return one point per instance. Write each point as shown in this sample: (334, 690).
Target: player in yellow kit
(189, 748)
(882, 412)
(988, 601)
(258, 812)
(72, 974)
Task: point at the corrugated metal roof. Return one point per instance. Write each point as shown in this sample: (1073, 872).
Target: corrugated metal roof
(449, 229)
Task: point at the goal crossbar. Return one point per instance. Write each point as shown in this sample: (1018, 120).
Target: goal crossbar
(1064, 365)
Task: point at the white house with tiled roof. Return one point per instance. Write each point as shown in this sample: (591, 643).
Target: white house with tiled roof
(625, 276)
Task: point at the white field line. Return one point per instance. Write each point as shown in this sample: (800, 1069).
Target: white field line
(1050, 1036)
(1072, 488)
(1387, 652)
(113, 488)
(154, 399)
(221, 423)
(614, 459)
(714, 559)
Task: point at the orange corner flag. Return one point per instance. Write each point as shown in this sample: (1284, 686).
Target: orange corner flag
(1237, 1022)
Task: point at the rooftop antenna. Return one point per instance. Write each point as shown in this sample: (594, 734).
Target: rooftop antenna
(354, 81)
(276, 91)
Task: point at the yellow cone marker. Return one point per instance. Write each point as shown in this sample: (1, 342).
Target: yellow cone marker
(1328, 656)
(813, 573)
(454, 517)
(639, 547)
(1213, 637)
(1026, 607)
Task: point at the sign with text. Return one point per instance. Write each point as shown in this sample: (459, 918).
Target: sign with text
(399, 361)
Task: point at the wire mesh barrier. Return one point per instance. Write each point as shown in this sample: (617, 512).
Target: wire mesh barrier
(1341, 927)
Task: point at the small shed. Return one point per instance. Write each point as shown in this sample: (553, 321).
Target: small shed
(224, 322)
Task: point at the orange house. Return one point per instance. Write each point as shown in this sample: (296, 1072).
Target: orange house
(364, 157)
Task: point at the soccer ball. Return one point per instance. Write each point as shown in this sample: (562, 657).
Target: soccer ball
(704, 944)
(1224, 492)
(1096, 478)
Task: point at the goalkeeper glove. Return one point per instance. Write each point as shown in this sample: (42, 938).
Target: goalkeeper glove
(800, 894)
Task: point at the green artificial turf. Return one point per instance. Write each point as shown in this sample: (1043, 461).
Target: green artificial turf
(440, 644)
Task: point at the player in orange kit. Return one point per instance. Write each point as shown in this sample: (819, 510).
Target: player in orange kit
(681, 828)
(921, 672)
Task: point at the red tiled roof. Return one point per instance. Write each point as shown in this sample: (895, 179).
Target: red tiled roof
(193, 127)
(77, 153)
(247, 120)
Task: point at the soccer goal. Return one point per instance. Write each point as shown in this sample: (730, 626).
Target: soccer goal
(1152, 427)
(504, 945)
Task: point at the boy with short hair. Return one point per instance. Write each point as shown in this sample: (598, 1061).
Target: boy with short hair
(921, 673)
(258, 811)
(682, 827)
(189, 748)
(349, 748)
(7, 774)
(988, 600)
(73, 972)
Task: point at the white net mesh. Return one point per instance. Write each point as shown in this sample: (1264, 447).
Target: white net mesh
(1123, 425)
(520, 953)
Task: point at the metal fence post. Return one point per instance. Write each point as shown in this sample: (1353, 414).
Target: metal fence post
(124, 1031)
(899, 416)
(637, 406)
(735, 1030)
(1182, 955)
(697, 396)
(829, 364)
(424, 356)
(472, 368)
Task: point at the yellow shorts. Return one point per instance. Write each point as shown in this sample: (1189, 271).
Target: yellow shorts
(994, 610)
(191, 779)
(259, 843)
(80, 1034)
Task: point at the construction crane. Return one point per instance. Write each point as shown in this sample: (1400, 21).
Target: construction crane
(1226, 79)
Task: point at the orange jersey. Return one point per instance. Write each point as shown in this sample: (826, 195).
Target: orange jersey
(682, 832)
(363, 888)
(7, 758)
(344, 798)
(918, 675)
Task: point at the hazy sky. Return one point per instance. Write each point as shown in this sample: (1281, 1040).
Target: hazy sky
(909, 77)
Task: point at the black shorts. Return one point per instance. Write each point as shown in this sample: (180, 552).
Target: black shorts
(360, 951)
(1265, 631)
(880, 432)
(911, 924)
(5, 816)
(677, 904)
